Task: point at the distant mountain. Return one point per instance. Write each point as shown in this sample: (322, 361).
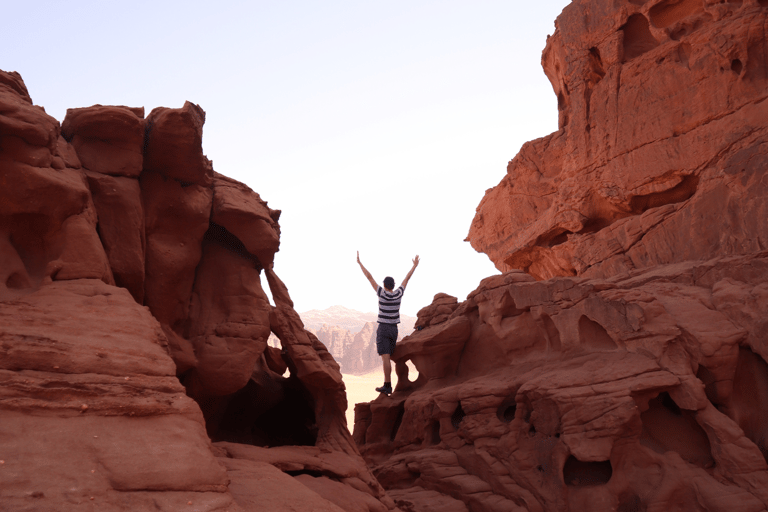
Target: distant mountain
(349, 335)
(340, 316)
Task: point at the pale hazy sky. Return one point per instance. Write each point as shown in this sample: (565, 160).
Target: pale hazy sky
(373, 126)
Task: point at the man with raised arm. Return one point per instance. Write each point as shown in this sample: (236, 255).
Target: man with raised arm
(389, 317)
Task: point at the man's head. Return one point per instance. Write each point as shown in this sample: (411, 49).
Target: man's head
(389, 283)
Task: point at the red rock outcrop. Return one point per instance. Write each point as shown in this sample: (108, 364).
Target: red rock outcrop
(134, 326)
(640, 391)
(619, 362)
(662, 150)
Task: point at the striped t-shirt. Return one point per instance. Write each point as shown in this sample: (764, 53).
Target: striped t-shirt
(389, 305)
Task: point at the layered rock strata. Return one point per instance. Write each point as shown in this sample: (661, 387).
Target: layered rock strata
(661, 154)
(134, 326)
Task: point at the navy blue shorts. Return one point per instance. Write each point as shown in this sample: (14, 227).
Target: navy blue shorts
(386, 338)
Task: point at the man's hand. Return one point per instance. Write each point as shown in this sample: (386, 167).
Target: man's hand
(408, 277)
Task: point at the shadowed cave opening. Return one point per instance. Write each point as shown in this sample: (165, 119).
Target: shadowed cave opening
(667, 427)
(506, 411)
(269, 411)
(578, 473)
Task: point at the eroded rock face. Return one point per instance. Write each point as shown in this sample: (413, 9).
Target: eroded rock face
(619, 362)
(585, 394)
(134, 327)
(662, 150)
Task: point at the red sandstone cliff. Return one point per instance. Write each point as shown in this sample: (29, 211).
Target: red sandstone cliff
(134, 325)
(619, 363)
(661, 152)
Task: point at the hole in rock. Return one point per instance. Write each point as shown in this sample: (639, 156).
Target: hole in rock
(666, 427)
(763, 3)
(593, 335)
(630, 502)
(560, 101)
(311, 472)
(748, 403)
(434, 437)
(670, 12)
(457, 416)
(507, 409)
(677, 194)
(398, 421)
(506, 413)
(637, 37)
(736, 66)
(578, 473)
(268, 411)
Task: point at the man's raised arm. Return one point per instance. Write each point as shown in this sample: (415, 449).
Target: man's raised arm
(368, 274)
(415, 264)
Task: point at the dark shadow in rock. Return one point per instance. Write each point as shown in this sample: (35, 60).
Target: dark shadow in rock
(637, 37)
(577, 473)
(594, 336)
(748, 403)
(667, 427)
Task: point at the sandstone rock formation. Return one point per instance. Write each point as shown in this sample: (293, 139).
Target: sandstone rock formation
(134, 326)
(661, 154)
(619, 362)
(638, 392)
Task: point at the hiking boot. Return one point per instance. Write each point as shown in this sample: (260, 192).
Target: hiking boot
(386, 389)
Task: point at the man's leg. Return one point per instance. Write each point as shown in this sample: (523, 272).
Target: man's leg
(387, 367)
(385, 344)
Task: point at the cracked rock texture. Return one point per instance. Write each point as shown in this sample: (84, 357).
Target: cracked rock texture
(662, 151)
(134, 327)
(619, 361)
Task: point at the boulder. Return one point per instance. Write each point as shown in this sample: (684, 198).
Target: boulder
(107, 139)
(173, 145)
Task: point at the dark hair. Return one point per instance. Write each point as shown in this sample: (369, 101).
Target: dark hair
(389, 283)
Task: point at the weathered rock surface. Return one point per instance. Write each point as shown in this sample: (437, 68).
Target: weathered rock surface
(107, 139)
(619, 362)
(134, 327)
(662, 150)
(643, 390)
